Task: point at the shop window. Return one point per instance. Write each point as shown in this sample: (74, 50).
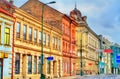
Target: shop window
(29, 64)
(35, 64)
(48, 67)
(17, 63)
(39, 65)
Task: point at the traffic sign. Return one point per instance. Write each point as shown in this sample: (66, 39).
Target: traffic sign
(50, 58)
(108, 51)
(117, 57)
(118, 61)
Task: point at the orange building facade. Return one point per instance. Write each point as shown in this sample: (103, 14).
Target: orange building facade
(68, 46)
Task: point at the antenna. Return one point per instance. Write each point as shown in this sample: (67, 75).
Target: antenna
(75, 4)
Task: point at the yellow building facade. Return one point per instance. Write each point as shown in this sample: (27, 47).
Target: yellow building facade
(27, 48)
(90, 43)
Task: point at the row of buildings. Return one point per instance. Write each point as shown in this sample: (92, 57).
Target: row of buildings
(66, 38)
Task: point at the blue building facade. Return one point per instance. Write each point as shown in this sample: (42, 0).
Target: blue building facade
(115, 61)
(6, 35)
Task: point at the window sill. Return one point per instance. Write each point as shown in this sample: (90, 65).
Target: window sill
(7, 45)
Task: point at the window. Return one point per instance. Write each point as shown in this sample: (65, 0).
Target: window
(44, 39)
(17, 63)
(18, 30)
(53, 41)
(24, 32)
(29, 64)
(40, 34)
(59, 44)
(48, 40)
(7, 36)
(39, 65)
(56, 43)
(48, 67)
(35, 36)
(35, 64)
(30, 33)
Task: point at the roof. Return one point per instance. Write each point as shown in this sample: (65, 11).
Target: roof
(6, 8)
(51, 15)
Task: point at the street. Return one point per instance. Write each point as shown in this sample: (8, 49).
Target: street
(99, 77)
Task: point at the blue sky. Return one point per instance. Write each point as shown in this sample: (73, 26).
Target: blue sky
(103, 16)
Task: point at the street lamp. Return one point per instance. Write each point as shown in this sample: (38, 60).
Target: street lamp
(42, 55)
(81, 63)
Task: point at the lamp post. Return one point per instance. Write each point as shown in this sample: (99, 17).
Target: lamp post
(42, 55)
(81, 63)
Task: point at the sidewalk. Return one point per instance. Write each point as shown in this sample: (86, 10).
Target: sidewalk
(69, 77)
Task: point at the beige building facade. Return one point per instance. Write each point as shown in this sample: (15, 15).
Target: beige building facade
(27, 48)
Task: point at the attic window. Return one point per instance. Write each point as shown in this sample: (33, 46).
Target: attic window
(28, 11)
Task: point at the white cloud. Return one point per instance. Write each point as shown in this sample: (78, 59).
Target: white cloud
(108, 37)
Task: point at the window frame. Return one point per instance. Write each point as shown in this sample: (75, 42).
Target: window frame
(30, 62)
(30, 33)
(24, 32)
(7, 36)
(18, 28)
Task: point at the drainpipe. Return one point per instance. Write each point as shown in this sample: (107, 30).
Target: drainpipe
(70, 48)
(12, 77)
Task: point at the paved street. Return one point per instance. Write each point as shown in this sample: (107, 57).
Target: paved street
(99, 77)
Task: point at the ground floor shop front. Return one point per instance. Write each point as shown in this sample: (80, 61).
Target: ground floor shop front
(69, 66)
(27, 65)
(88, 67)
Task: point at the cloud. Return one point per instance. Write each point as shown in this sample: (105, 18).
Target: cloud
(109, 38)
(103, 16)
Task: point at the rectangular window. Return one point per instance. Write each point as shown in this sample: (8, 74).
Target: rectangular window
(56, 43)
(53, 41)
(18, 30)
(24, 32)
(35, 64)
(7, 36)
(40, 34)
(30, 33)
(44, 39)
(29, 64)
(48, 40)
(35, 36)
(17, 63)
(59, 44)
(39, 65)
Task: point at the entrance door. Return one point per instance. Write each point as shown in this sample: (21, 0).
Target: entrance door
(1, 68)
(23, 65)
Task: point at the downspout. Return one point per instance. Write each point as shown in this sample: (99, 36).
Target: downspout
(70, 47)
(13, 48)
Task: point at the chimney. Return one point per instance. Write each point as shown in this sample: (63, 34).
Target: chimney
(11, 1)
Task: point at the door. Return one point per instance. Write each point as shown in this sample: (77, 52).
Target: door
(1, 68)
(23, 65)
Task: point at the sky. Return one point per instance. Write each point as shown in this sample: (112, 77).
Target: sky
(103, 16)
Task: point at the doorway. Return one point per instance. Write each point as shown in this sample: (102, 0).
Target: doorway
(1, 68)
(23, 65)
(54, 68)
